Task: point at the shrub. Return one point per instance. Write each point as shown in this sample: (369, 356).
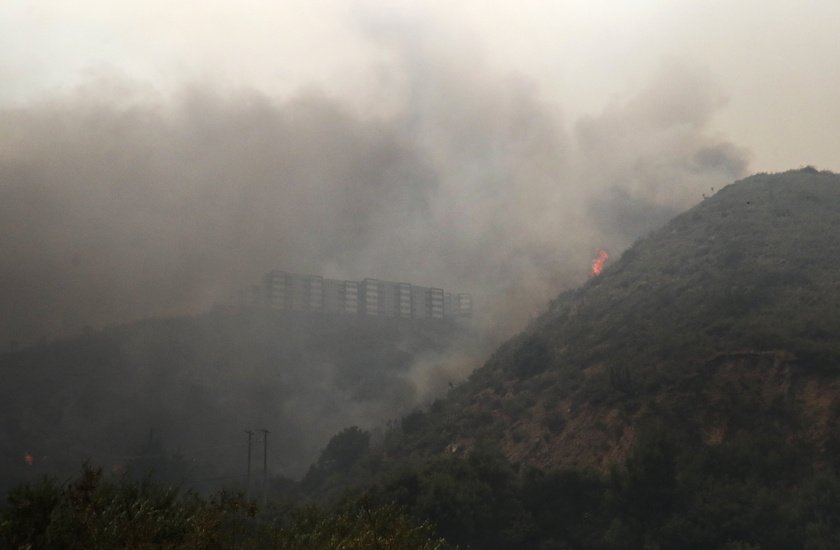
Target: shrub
(555, 421)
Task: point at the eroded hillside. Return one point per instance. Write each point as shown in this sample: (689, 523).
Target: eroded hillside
(724, 322)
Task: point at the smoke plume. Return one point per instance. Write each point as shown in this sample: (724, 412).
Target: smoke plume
(118, 204)
(115, 205)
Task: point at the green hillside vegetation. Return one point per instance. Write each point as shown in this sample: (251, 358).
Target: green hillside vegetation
(688, 397)
(99, 512)
(739, 294)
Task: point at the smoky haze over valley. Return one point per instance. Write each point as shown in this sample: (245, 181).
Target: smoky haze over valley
(154, 159)
(117, 204)
(195, 196)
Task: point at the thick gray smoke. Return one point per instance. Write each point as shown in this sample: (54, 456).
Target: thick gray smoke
(652, 156)
(115, 205)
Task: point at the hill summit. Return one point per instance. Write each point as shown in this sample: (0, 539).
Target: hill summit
(724, 323)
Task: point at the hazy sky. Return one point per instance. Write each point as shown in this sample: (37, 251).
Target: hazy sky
(156, 155)
(776, 62)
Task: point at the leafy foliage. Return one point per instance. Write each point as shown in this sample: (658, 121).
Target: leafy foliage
(355, 526)
(750, 493)
(93, 513)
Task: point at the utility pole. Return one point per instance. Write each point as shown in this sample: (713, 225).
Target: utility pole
(265, 465)
(248, 475)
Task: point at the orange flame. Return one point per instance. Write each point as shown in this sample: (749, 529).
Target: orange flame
(29, 458)
(598, 263)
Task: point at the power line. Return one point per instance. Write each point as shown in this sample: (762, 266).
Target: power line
(265, 465)
(248, 476)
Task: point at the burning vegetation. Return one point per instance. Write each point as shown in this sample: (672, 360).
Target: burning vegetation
(598, 263)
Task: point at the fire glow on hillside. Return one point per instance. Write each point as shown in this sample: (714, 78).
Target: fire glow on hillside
(598, 263)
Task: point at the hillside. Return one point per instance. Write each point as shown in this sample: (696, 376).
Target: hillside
(177, 394)
(687, 397)
(726, 317)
